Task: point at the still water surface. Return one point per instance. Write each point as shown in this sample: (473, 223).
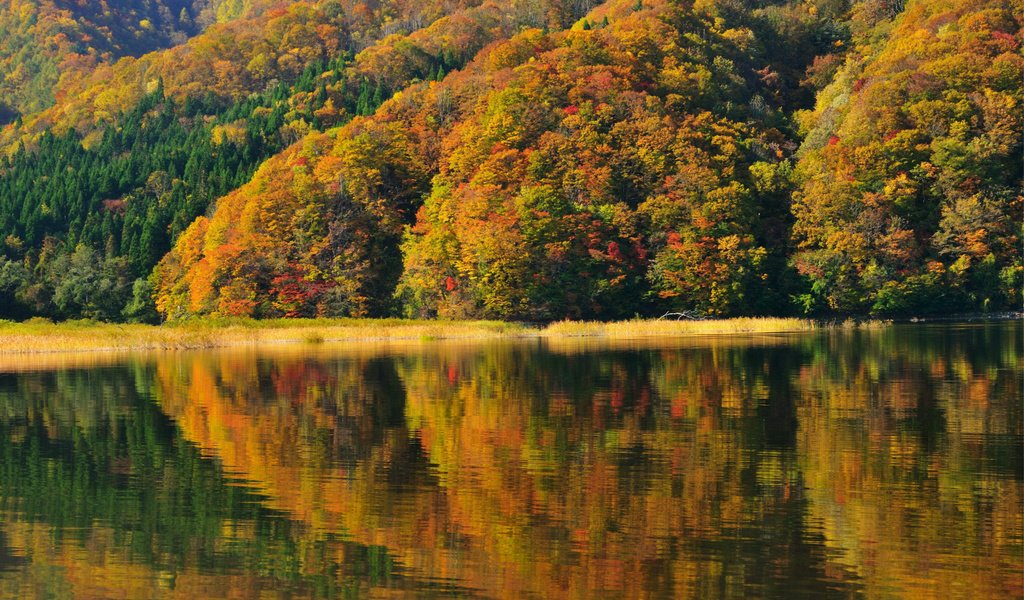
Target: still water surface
(882, 463)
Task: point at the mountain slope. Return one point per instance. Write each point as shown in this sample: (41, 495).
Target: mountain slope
(530, 160)
(911, 194)
(554, 168)
(45, 43)
(145, 154)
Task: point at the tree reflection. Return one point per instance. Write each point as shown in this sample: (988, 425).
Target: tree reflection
(828, 464)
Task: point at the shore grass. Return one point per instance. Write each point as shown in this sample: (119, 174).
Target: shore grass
(639, 328)
(41, 336)
(37, 335)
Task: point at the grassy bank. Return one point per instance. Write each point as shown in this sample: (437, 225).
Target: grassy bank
(39, 336)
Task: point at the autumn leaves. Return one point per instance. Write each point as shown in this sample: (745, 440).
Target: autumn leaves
(619, 170)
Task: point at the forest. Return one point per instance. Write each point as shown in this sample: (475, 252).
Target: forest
(530, 160)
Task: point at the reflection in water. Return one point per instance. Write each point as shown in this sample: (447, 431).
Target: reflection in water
(878, 463)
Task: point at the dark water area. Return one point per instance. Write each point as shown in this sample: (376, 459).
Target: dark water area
(883, 463)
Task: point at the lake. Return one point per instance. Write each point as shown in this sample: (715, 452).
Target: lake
(843, 463)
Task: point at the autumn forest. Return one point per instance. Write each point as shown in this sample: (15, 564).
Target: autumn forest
(525, 160)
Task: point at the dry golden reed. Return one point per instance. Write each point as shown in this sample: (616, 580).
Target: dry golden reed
(39, 335)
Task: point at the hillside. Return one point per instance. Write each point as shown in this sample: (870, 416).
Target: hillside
(44, 45)
(116, 172)
(910, 195)
(476, 162)
(531, 161)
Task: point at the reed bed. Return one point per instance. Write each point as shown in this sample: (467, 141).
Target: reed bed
(41, 336)
(638, 328)
(36, 336)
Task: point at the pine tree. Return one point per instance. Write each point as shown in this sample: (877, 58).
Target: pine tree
(363, 103)
(378, 98)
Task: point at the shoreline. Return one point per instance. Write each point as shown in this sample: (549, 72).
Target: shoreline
(35, 337)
